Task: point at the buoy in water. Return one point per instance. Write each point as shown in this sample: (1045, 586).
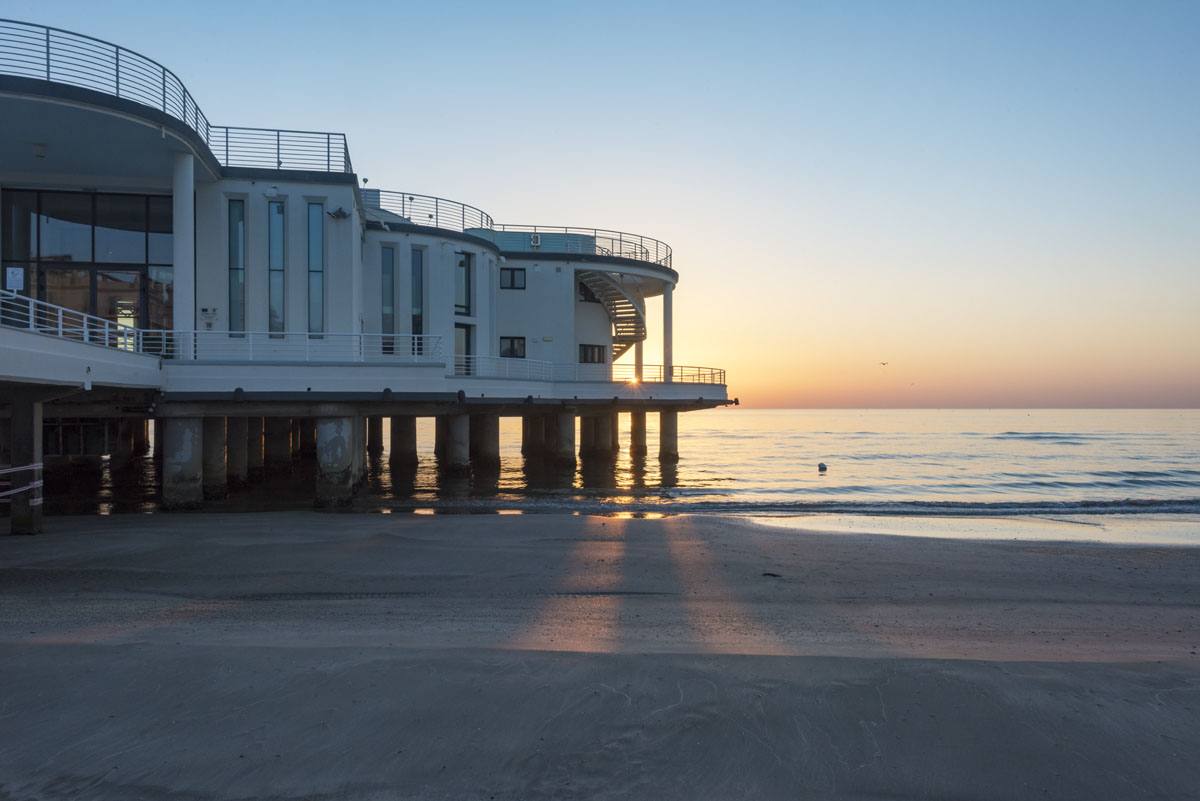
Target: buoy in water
(821, 468)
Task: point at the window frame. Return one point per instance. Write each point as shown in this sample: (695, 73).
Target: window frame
(513, 341)
(315, 271)
(586, 351)
(465, 264)
(512, 273)
(240, 326)
(281, 269)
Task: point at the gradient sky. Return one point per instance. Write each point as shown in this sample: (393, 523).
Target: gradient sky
(1000, 200)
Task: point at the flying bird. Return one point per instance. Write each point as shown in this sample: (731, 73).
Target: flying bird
(883, 364)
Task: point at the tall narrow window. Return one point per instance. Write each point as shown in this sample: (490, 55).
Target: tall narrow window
(462, 285)
(316, 268)
(387, 286)
(237, 265)
(275, 262)
(418, 297)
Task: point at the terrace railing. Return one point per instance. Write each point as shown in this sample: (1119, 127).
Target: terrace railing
(75, 59)
(427, 210)
(650, 373)
(590, 241)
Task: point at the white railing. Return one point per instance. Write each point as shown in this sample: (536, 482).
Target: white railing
(38, 316)
(34, 487)
(537, 370)
(292, 346)
(501, 367)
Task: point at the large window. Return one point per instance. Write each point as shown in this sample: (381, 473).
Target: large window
(462, 284)
(512, 347)
(276, 246)
(105, 254)
(418, 298)
(237, 265)
(316, 268)
(387, 296)
(593, 354)
(512, 277)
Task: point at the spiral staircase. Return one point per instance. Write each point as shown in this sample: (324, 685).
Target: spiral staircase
(624, 310)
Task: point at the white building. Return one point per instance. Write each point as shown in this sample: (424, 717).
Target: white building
(222, 279)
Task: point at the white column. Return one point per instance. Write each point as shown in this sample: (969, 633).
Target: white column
(668, 324)
(638, 361)
(183, 194)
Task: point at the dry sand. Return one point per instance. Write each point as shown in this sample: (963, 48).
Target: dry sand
(304, 655)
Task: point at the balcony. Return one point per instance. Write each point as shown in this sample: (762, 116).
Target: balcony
(42, 53)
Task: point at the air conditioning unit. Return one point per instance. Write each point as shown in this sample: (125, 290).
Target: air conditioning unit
(535, 240)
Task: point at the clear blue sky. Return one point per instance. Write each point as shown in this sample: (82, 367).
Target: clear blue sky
(1002, 200)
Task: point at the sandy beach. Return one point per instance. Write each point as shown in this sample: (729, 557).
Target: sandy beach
(304, 655)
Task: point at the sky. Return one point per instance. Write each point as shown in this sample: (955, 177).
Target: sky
(1000, 201)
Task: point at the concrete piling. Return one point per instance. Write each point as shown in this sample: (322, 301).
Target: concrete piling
(254, 448)
(236, 451)
(458, 443)
(277, 444)
(374, 435)
(215, 483)
(336, 446)
(182, 463)
(637, 433)
(564, 441)
(602, 444)
(485, 439)
(403, 440)
(668, 435)
(533, 438)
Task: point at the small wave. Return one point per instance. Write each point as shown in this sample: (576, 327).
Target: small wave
(873, 508)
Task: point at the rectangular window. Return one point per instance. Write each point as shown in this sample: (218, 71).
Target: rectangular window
(586, 295)
(387, 296)
(462, 284)
(316, 268)
(418, 298)
(237, 265)
(276, 230)
(512, 277)
(65, 227)
(512, 347)
(593, 354)
(463, 348)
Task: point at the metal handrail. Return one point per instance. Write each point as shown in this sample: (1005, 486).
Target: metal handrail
(591, 241)
(60, 56)
(34, 487)
(538, 370)
(429, 210)
(451, 215)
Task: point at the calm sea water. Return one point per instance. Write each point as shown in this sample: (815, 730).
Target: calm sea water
(911, 462)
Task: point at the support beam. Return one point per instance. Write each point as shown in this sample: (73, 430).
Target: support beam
(668, 435)
(25, 445)
(564, 442)
(404, 440)
(668, 333)
(603, 443)
(458, 443)
(637, 433)
(277, 444)
(182, 464)
(236, 451)
(374, 435)
(337, 444)
(183, 243)
(587, 435)
(254, 448)
(216, 482)
(485, 439)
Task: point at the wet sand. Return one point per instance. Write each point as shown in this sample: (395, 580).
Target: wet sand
(303, 655)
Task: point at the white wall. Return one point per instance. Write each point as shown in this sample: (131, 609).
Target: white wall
(549, 315)
(342, 253)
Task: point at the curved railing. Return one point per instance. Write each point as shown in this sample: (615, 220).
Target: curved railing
(427, 210)
(436, 212)
(75, 59)
(589, 241)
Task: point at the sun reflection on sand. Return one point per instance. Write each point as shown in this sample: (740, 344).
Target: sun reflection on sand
(584, 615)
(718, 621)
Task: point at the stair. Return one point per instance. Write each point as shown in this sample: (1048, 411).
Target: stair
(628, 318)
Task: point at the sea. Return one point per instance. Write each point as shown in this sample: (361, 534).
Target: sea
(946, 463)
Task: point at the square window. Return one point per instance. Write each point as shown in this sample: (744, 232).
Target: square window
(512, 277)
(593, 354)
(512, 347)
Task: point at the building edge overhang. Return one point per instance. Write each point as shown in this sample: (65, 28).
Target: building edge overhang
(642, 267)
(52, 91)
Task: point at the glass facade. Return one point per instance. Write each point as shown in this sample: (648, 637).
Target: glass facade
(105, 254)
(462, 284)
(387, 295)
(418, 297)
